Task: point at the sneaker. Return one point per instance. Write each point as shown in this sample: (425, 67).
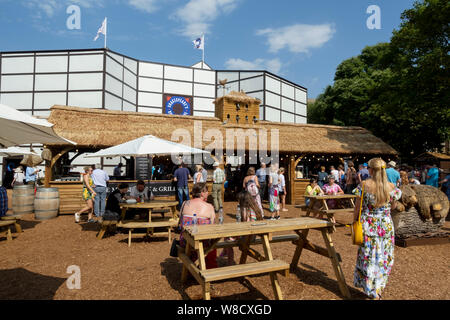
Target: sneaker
(77, 217)
(285, 209)
(273, 218)
(277, 218)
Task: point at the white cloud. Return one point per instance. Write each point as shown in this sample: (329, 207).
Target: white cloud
(197, 15)
(273, 65)
(144, 5)
(298, 38)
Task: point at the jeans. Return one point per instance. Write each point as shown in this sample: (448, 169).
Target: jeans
(100, 201)
(181, 191)
(262, 190)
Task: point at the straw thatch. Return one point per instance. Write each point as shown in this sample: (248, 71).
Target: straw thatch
(99, 128)
(236, 96)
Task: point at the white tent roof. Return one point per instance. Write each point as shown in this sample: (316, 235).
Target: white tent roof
(15, 151)
(146, 145)
(18, 128)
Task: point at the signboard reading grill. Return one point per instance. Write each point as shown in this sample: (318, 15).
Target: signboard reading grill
(179, 105)
(162, 188)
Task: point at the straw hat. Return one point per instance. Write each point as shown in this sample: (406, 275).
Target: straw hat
(392, 163)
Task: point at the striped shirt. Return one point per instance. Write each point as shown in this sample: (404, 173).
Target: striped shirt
(219, 176)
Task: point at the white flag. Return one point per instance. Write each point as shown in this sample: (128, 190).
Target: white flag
(199, 43)
(102, 30)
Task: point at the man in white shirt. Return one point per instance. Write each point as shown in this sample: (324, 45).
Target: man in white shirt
(100, 179)
(139, 192)
(334, 172)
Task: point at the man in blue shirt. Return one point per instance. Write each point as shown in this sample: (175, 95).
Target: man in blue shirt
(261, 173)
(393, 175)
(432, 176)
(31, 175)
(181, 176)
(100, 179)
(363, 174)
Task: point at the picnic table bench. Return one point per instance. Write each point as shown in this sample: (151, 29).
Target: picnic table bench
(318, 207)
(153, 206)
(16, 219)
(7, 225)
(265, 262)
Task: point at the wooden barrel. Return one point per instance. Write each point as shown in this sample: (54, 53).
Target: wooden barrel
(23, 199)
(46, 203)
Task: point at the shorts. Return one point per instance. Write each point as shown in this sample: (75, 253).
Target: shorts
(281, 193)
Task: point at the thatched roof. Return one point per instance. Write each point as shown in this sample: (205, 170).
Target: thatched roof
(433, 155)
(239, 97)
(99, 128)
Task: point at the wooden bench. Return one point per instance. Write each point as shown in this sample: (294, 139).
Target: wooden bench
(163, 223)
(281, 238)
(247, 269)
(204, 277)
(303, 207)
(8, 225)
(275, 239)
(16, 219)
(106, 224)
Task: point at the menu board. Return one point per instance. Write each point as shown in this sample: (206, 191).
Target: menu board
(142, 168)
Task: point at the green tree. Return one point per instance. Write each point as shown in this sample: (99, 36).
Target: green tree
(398, 90)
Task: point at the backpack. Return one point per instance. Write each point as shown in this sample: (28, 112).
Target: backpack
(252, 188)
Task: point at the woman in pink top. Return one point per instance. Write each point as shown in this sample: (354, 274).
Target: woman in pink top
(332, 188)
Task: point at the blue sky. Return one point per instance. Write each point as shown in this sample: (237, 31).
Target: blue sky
(302, 41)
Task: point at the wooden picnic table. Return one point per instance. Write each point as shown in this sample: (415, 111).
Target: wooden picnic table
(318, 206)
(265, 263)
(150, 223)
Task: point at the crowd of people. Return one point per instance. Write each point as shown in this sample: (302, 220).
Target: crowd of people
(349, 181)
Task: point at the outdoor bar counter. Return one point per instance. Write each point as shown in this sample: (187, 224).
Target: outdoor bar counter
(70, 200)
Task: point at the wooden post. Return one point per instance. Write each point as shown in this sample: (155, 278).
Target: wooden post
(293, 164)
(49, 165)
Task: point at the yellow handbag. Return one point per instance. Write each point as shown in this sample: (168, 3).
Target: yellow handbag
(357, 231)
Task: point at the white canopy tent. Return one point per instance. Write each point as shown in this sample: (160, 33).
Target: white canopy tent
(147, 146)
(18, 128)
(15, 151)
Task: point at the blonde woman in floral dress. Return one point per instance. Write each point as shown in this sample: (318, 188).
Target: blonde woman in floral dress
(376, 255)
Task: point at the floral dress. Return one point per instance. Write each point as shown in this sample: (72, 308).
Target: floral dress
(376, 255)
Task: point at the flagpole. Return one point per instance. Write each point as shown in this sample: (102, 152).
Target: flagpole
(106, 29)
(203, 51)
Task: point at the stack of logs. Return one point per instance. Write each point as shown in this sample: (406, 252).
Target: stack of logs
(422, 209)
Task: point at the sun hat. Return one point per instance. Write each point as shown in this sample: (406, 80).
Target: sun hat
(392, 163)
(215, 164)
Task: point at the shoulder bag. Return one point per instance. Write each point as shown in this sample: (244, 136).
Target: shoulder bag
(357, 231)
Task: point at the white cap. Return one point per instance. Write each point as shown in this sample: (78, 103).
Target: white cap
(392, 163)
(215, 164)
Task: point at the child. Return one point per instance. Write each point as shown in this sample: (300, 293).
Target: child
(250, 211)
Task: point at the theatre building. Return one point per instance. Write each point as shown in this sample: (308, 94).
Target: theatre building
(99, 98)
